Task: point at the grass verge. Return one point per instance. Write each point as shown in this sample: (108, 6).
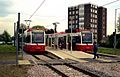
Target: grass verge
(8, 52)
(111, 51)
(7, 48)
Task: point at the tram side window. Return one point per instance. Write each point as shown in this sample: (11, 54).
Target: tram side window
(27, 40)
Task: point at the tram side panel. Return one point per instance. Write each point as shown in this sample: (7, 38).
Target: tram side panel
(81, 41)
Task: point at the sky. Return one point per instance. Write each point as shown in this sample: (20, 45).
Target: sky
(51, 11)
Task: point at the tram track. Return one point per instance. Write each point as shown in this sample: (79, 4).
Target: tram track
(51, 67)
(87, 68)
(65, 68)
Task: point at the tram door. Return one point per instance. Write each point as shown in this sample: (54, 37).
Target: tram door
(65, 43)
(69, 42)
(50, 42)
(46, 40)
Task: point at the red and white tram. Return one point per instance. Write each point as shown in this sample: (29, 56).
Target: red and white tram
(81, 41)
(34, 41)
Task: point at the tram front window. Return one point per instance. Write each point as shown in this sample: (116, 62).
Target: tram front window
(37, 37)
(86, 37)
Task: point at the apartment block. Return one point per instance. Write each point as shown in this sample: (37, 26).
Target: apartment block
(88, 17)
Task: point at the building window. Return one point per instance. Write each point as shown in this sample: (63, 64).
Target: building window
(69, 26)
(81, 23)
(76, 21)
(95, 16)
(76, 16)
(91, 15)
(73, 12)
(81, 19)
(103, 36)
(91, 20)
(95, 11)
(73, 22)
(95, 26)
(69, 13)
(91, 10)
(91, 6)
(76, 12)
(92, 25)
(70, 22)
(95, 30)
(95, 7)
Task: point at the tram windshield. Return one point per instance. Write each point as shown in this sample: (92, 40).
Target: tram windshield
(86, 37)
(37, 37)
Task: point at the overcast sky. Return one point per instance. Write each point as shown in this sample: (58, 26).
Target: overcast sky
(51, 11)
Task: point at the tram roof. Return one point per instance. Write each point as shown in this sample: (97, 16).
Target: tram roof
(31, 29)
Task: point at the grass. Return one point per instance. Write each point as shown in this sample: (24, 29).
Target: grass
(109, 51)
(7, 48)
(8, 52)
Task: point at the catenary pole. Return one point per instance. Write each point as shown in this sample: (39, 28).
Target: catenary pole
(17, 38)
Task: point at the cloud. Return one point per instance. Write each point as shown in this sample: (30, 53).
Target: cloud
(5, 7)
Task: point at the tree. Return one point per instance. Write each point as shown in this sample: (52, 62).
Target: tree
(22, 26)
(6, 37)
(49, 31)
(118, 25)
(1, 37)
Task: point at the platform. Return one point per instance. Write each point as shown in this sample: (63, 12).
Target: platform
(75, 55)
(24, 62)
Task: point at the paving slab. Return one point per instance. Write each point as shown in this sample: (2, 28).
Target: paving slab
(24, 62)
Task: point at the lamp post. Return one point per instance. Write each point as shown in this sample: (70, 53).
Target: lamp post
(28, 22)
(55, 31)
(55, 23)
(115, 28)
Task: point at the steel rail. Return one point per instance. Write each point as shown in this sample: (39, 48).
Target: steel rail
(51, 67)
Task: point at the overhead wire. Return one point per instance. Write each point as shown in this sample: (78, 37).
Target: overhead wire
(110, 2)
(37, 9)
(52, 16)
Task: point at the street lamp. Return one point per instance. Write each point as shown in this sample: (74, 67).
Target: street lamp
(55, 23)
(28, 22)
(55, 31)
(115, 28)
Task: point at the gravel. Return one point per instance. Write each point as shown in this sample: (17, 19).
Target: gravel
(70, 72)
(103, 69)
(41, 71)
